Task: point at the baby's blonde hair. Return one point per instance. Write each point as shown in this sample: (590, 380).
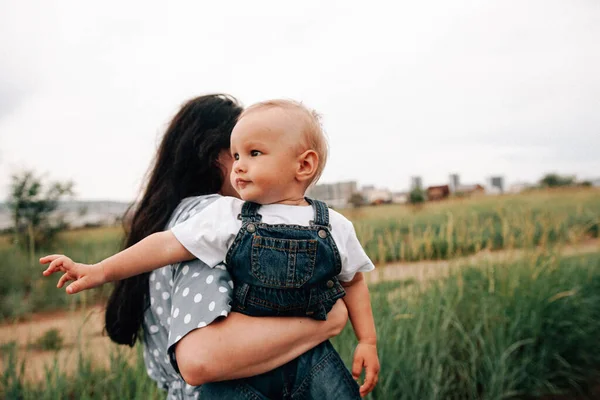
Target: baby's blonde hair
(312, 131)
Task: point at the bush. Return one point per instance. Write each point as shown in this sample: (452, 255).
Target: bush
(51, 340)
(416, 196)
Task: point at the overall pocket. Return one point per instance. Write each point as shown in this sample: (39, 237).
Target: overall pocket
(283, 263)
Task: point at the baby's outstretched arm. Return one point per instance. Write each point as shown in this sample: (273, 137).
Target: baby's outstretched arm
(365, 355)
(155, 251)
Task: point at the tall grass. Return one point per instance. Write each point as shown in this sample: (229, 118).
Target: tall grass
(497, 331)
(122, 379)
(23, 289)
(457, 228)
(491, 332)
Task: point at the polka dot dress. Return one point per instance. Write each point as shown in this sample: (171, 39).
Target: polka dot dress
(183, 297)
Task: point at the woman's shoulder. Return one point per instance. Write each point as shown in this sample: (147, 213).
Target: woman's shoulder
(215, 204)
(223, 206)
(191, 206)
(195, 201)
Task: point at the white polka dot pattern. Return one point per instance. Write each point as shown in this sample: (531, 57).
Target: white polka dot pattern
(182, 298)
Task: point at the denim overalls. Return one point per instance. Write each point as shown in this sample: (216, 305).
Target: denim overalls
(287, 270)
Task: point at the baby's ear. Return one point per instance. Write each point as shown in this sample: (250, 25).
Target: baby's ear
(308, 163)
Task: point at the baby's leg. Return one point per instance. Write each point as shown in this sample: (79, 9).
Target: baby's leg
(321, 374)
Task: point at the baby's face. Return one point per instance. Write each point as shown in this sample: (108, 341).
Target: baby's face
(265, 148)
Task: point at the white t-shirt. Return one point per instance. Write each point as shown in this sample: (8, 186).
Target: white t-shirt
(208, 234)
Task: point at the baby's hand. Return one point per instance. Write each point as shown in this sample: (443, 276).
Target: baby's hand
(85, 276)
(365, 355)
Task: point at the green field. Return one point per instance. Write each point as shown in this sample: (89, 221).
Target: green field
(460, 227)
(524, 325)
(520, 330)
(443, 230)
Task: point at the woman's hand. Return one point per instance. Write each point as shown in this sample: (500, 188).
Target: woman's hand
(85, 276)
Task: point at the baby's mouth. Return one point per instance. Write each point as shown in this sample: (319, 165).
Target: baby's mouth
(241, 182)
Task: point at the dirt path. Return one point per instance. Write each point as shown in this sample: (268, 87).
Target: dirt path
(82, 330)
(424, 270)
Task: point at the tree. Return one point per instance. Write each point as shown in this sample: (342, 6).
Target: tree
(32, 202)
(556, 180)
(357, 200)
(416, 196)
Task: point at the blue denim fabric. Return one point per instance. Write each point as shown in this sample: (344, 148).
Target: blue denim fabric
(319, 374)
(285, 270)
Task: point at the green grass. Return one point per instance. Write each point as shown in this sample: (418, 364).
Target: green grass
(461, 227)
(490, 332)
(121, 380)
(497, 331)
(23, 289)
(441, 230)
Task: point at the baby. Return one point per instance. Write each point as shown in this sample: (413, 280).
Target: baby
(287, 254)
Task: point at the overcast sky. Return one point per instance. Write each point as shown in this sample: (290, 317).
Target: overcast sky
(406, 88)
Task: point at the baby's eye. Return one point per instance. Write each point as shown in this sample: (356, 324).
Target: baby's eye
(255, 153)
(236, 156)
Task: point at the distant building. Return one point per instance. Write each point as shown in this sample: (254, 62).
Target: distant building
(334, 194)
(373, 195)
(518, 187)
(496, 185)
(454, 182)
(416, 183)
(77, 214)
(595, 182)
(400, 198)
(470, 190)
(435, 193)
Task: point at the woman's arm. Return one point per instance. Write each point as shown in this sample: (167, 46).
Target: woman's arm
(240, 346)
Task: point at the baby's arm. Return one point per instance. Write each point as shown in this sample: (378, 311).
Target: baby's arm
(155, 251)
(359, 310)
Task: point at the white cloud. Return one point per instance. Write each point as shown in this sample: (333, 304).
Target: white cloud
(405, 88)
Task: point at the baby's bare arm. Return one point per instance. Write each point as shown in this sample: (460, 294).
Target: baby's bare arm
(359, 309)
(155, 251)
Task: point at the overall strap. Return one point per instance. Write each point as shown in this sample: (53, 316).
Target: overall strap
(321, 212)
(250, 212)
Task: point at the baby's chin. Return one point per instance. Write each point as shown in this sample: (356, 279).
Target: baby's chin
(257, 199)
(248, 196)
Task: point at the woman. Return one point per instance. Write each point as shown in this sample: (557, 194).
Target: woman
(181, 308)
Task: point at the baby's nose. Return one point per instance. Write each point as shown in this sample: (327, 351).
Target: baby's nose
(238, 165)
